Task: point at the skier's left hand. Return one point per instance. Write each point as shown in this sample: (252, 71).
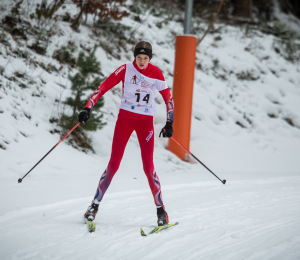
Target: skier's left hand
(167, 131)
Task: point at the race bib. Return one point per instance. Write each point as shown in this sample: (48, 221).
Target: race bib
(139, 92)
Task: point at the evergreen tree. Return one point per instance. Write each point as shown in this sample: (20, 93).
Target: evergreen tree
(88, 65)
(82, 84)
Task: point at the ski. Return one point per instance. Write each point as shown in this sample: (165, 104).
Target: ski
(90, 225)
(158, 229)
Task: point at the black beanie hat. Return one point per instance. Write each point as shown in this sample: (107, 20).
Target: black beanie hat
(145, 51)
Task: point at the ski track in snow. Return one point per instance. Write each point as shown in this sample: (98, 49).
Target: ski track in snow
(244, 219)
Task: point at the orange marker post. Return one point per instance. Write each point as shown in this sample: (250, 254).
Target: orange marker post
(184, 70)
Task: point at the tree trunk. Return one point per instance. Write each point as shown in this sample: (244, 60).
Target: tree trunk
(55, 7)
(76, 21)
(295, 7)
(290, 6)
(264, 8)
(242, 8)
(284, 4)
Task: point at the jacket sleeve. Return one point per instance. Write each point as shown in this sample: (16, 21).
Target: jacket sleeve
(166, 94)
(110, 82)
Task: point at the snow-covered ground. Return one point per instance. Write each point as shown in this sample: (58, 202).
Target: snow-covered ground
(254, 216)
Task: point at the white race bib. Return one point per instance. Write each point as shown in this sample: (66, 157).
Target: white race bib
(139, 91)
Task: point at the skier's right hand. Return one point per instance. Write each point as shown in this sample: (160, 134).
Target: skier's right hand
(84, 115)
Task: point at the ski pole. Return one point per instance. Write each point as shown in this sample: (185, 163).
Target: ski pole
(223, 181)
(20, 180)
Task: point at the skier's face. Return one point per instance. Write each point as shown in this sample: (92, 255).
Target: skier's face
(142, 61)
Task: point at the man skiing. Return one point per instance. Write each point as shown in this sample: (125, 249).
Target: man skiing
(136, 114)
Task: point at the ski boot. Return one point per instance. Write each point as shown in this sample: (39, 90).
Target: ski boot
(162, 216)
(91, 212)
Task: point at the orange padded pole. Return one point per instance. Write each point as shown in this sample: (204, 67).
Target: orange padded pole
(185, 57)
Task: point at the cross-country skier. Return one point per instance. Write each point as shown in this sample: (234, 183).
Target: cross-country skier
(139, 79)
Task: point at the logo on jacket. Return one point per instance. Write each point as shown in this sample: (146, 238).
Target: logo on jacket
(146, 85)
(119, 70)
(146, 110)
(95, 93)
(136, 80)
(132, 107)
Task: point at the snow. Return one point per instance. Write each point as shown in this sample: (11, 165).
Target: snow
(251, 217)
(254, 216)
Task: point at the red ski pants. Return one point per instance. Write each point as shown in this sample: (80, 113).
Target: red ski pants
(145, 134)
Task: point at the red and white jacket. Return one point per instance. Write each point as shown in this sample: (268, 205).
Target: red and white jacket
(138, 89)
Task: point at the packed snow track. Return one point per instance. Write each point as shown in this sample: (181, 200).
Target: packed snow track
(248, 218)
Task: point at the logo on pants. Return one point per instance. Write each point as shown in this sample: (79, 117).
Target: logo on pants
(149, 136)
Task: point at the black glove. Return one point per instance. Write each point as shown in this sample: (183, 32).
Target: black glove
(167, 131)
(84, 115)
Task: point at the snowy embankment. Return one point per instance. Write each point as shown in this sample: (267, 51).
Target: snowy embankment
(245, 97)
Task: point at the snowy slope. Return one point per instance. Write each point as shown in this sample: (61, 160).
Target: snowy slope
(254, 216)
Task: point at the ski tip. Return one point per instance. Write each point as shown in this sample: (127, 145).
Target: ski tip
(92, 229)
(91, 226)
(143, 233)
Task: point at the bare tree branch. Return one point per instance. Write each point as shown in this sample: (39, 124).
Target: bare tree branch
(212, 22)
